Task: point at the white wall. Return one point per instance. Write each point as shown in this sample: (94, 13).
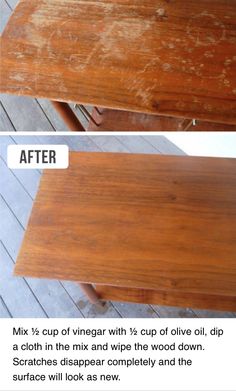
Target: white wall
(205, 144)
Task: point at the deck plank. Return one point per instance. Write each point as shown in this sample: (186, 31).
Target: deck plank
(11, 232)
(174, 312)
(137, 144)
(55, 119)
(5, 123)
(214, 314)
(88, 310)
(109, 144)
(5, 13)
(12, 3)
(17, 198)
(52, 115)
(25, 114)
(53, 298)
(135, 310)
(4, 311)
(29, 179)
(163, 145)
(23, 304)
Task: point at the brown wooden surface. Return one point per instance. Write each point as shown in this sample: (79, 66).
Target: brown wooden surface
(117, 120)
(176, 58)
(138, 221)
(167, 298)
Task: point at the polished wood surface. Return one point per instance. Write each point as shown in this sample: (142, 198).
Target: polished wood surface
(165, 223)
(174, 58)
(167, 298)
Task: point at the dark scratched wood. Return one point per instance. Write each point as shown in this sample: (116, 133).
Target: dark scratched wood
(174, 58)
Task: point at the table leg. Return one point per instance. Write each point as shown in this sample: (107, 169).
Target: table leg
(90, 292)
(68, 116)
(188, 124)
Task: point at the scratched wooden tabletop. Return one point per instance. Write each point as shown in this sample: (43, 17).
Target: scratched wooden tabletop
(138, 221)
(172, 57)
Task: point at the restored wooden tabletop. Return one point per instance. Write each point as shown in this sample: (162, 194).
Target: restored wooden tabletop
(138, 221)
(173, 57)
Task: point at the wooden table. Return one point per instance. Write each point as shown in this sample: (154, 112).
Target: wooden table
(141, 228)
(172, 58)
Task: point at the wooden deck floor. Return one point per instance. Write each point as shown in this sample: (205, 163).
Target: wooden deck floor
(21, 297)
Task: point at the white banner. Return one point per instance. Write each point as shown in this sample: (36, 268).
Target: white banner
(118, 354)
(38, 156)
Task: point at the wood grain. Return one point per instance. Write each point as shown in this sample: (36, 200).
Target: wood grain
(165, 223)
(117, 120)
(167, 298)
(174, 58)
